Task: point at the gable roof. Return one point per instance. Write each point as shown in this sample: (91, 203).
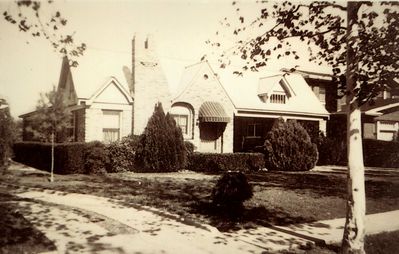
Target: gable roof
(109, 81)
(192, 73)
(97, 66)
(244, 93)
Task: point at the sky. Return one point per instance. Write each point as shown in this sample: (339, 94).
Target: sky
(29, 66)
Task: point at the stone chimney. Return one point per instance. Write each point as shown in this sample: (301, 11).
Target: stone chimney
(149, 84)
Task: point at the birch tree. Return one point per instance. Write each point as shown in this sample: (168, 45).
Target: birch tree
(359, 40)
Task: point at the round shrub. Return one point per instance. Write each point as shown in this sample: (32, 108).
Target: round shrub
(96, 158)
(121, 155)
(288, 147)
(231, 190)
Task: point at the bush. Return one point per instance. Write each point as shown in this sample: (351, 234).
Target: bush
(223, 162)
(288, 147)
(121, 155)
(96, 158)
(190, 147)
(231, 190)
(379, 153)
(161, 146)
(6, 138)
(332, 151)
(68, 157)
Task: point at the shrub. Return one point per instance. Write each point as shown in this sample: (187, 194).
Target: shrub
(161, 146)
(6, 136)
(121, 155)
(288, 147)
(231, 190)
(332, 151)
(190, 147)
(216, 162)
(379, 153)
(96, 158)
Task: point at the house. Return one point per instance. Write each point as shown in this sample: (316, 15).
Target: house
(109, 100)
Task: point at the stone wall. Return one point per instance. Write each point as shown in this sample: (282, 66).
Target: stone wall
(149, 83)
(206, 87)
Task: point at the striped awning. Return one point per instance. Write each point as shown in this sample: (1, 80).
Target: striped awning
(211, 111)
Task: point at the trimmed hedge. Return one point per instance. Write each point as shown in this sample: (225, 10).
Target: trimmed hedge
(69, 157)
(379, 153)
(215, 162)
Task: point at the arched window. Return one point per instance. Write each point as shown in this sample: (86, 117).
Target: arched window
(183, 116)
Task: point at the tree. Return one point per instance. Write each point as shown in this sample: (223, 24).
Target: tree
(6, 137)
(28, 17)
(161, 146)
(50, 121)
(359, 41)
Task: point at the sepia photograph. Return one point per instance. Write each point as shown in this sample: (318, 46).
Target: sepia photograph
(199, 126)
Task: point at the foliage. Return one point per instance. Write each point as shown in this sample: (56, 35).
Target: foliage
(321, 27)
(51, 116)
(121, 155)
(190, 147)
(161, 146)
(6, 135)
(223, 162)
(288, 147)
(95, 157)
(379, 153)
(231, 190)
(69, 157)
(332, 151)
(30, 17)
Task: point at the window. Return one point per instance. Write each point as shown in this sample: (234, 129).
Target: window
(254, 130)
(111, 125)
(322, 94)
(278, 98)
(182, 122)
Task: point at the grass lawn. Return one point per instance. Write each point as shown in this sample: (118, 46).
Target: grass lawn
(279, 198)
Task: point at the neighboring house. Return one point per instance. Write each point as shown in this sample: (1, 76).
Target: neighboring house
(260, 100)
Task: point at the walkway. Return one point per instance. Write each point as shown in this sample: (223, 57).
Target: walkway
(86, 223)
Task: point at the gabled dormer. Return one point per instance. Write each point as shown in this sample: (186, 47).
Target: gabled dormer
(275, 90)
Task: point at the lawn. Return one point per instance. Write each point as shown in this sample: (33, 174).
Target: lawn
(279, 198)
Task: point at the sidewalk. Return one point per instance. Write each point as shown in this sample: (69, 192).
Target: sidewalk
(152, 233)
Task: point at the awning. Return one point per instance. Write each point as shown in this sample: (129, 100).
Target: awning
(211, 111)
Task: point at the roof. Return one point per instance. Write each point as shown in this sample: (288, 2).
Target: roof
(376, 105)
(96, 67)
(394, 116)
(244, 93)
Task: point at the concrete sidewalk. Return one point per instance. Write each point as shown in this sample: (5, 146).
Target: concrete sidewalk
(154, 233)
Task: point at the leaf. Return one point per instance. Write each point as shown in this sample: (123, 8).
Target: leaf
(241, 19)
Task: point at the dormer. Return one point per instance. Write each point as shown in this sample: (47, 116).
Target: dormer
(274, 90)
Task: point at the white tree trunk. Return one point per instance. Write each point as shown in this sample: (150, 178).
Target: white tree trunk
(52, 158)
(354, 232)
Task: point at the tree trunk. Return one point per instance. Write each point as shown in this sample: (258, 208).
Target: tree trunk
(52, 158)
(353, 238)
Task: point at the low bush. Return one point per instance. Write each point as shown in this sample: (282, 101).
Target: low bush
(223, 162)
(231, 190)
(190, 147)
(121, 155)
(288, 147)
(96, 158)
(332, 151)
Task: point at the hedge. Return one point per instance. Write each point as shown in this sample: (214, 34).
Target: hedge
(379, 153)
(215, 163)
(69, 157)
(376, 153)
